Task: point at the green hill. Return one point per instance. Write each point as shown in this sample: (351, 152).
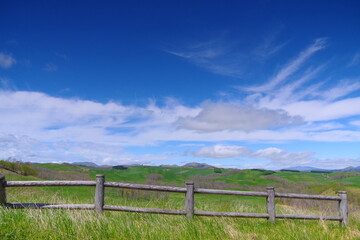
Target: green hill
(63, 224)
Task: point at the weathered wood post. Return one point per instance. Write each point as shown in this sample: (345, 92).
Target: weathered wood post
(343, 208)
(2, 191)
(99, 193)
(270, 203)
(189, 200)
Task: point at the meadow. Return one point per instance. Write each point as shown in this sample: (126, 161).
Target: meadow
(86, 224)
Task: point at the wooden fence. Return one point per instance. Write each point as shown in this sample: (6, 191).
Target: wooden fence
(189, 191)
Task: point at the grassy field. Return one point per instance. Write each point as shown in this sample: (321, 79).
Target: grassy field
(84, 224)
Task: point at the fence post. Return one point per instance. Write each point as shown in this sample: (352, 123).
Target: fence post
(2, 191)
(343, 208)
(99, 193)
(270, 203)
(189, 200)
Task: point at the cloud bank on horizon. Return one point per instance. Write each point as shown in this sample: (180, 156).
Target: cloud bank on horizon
(269, 101)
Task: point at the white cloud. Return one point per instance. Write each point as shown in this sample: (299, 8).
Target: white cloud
(344, 88)
(6, 60)
(51, 119)
(222, 151)
(288, 107)
(355, 123)
(18, 147)
(226, 116)
(317, 110)
(28, 149)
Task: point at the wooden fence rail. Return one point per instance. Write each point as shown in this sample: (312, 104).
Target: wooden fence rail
(189, 191)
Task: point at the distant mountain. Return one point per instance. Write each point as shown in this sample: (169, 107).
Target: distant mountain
(349, 169)
(198, 165)
(87, 164)
(308, 169)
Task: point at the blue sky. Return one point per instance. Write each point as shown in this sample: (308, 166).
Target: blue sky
(245, 84)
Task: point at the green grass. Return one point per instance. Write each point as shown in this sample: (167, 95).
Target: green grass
(11, 176)
(139, 173)
(61, 167)
(65, 224)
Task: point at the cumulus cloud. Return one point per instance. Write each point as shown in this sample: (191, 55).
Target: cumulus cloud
(222, 151)
(225, 116)
(6, 60)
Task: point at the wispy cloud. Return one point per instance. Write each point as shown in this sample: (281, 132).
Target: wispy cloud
(61, 55)
(291, 67)
(216, 56)
(6, 83)
(49, 67)
(297, 90)
(269, 46)
(6, 60)
(355, 60)
(225, 56)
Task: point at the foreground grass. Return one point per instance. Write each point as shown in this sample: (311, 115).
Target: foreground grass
(51, 224)
(63, 224)
(80, 224)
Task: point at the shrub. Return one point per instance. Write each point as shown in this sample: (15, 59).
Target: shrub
(268, 172)
(119, 167)
(258, 170)
(319, 171)
(217, 170)
(26, 170)
(289, 170)
(18, 167)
